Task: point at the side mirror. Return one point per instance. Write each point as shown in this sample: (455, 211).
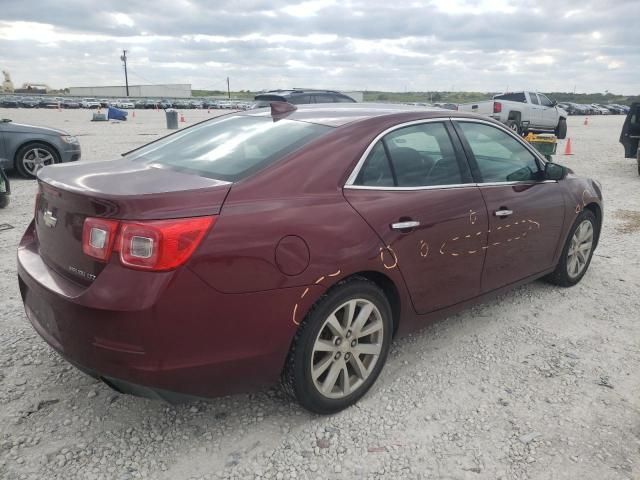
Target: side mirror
(553, 171)
(5, 189)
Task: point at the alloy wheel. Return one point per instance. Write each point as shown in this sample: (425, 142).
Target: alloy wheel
(36, 158)
(580, 249)
(347, 348)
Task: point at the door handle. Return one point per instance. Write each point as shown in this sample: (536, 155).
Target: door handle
(405, 225)
(503, 212)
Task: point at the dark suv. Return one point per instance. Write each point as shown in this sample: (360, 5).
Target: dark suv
(630, 136)
(300, 96)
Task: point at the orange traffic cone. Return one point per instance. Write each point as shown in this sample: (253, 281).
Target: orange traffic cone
(182, 120)
(586, 120)
(567, 148)
(208, 111)
(133, 115)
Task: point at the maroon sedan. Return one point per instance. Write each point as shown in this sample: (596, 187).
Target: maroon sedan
(292, 244)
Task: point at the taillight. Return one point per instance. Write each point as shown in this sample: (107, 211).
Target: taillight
(149, 245)
(98, 237)
(497, 107)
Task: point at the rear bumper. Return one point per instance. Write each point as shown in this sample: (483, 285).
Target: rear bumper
(159, 332)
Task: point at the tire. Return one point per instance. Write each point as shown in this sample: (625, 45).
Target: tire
(638, 159)
(565, 275)
(515, 126)
(336, 352)
(4, 201)
(561, 129)
(26, 163)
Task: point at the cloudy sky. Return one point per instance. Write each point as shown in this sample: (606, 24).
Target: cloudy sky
(479, 45)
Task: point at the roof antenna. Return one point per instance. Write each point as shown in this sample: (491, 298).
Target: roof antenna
(281, 109)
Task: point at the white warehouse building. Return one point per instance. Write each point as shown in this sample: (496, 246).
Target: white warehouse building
(174, 90)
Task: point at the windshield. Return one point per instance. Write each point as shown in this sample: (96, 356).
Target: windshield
(230, 148)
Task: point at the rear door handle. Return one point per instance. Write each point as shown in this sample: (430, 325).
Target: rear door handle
(503, 212)
(405, 225)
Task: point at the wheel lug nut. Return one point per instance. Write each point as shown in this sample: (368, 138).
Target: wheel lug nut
(349, 334)
(347, 356)
(354, 343)
(337, 356)
(338, 341)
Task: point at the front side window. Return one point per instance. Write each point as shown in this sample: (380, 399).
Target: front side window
(544, 100)
(534, 98)
(499, 156)
(416, 156)
(229, 148)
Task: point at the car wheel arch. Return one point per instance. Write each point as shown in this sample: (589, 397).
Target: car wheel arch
(384, 282)
(597, 211)
(33, 142)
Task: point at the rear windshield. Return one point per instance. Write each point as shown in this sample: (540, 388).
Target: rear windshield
(230, 148)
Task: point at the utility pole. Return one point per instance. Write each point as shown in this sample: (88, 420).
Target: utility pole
(228, 89)
(123, 57)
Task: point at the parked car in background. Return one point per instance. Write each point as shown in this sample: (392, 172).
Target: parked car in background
(416, 214)
(446, 106)
(140, 104)
(125, 104)
(9, 102)
(69, 103)
(48, 103)
(570, 108)
(5, 189)
(28, 148)
(181, 104)
(28, 102)
(90, 103)
(523, 112)
(614, 109)
(630, 135)
(300, 96)
(598, 110)
(104, 103)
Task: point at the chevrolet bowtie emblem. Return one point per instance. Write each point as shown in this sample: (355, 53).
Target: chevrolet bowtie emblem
(49, 220)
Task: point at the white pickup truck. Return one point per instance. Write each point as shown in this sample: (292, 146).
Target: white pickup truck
(523, 112)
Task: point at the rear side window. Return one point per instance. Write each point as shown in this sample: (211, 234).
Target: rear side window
(299, 99)
(376, 171)
(499, 156)
(513, 97)
(270, 98)
(323, 98)
(414, 156)
(230, 148)
(344, 99)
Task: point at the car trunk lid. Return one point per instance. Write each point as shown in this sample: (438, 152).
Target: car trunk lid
(119, 190)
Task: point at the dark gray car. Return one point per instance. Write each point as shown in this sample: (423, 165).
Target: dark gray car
(28, 148)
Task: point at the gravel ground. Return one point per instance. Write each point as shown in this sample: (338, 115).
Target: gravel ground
(538, 383)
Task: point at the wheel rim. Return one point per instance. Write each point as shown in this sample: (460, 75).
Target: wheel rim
(514, 127)
(580, 249)
(347, 348)
(36, 158)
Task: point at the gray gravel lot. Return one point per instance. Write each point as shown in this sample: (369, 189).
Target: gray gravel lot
(541, 383)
